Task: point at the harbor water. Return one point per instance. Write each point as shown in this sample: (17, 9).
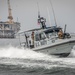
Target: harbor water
(19, 61)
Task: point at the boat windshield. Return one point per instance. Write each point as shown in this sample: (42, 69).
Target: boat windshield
(52, 32)
(40, 36)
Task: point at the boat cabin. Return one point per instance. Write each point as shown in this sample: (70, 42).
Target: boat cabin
(35, 38)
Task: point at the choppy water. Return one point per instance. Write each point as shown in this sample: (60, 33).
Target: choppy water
(16, 61)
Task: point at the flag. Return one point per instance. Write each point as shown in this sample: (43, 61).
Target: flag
(39, 18)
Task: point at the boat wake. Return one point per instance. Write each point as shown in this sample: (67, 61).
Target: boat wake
(25, 58)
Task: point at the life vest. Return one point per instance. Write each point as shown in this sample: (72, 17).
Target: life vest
(60, 34)
(32, 36)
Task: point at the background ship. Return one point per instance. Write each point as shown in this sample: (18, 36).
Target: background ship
(8, 29)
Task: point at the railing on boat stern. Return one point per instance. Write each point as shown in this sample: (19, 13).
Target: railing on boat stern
(22, 39)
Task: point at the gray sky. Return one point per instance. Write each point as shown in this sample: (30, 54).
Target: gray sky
(27, 12)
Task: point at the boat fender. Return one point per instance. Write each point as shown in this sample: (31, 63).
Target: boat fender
(60, 36)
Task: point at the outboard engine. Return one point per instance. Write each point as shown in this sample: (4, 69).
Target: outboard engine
(67, 35)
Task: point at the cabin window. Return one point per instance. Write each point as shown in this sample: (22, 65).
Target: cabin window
(47, 35)
(37, 38)
(6, 25)
(42, 36)
(0, 26)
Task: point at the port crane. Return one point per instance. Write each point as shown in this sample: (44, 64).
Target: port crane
(10, 28)
(10, 17)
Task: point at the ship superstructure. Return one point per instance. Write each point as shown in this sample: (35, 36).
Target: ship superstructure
(9, 28)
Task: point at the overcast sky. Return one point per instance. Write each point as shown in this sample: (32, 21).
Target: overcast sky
(27, 12)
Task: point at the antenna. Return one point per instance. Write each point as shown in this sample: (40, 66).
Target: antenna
(38, 10)
(65, 28)
(41, 20)
(38, 15)
(48, 15)
(17, 19)
(53, 12)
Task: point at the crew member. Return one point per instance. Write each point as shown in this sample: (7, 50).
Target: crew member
(60, 34)
(32, 36)
(43, 20)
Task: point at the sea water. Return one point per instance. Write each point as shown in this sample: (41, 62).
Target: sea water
(20, 61)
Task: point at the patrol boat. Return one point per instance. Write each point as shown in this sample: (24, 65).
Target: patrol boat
(49, 40)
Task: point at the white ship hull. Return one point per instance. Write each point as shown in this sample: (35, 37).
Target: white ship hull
(62, 48)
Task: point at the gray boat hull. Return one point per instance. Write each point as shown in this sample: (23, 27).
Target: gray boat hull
(61, 49)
